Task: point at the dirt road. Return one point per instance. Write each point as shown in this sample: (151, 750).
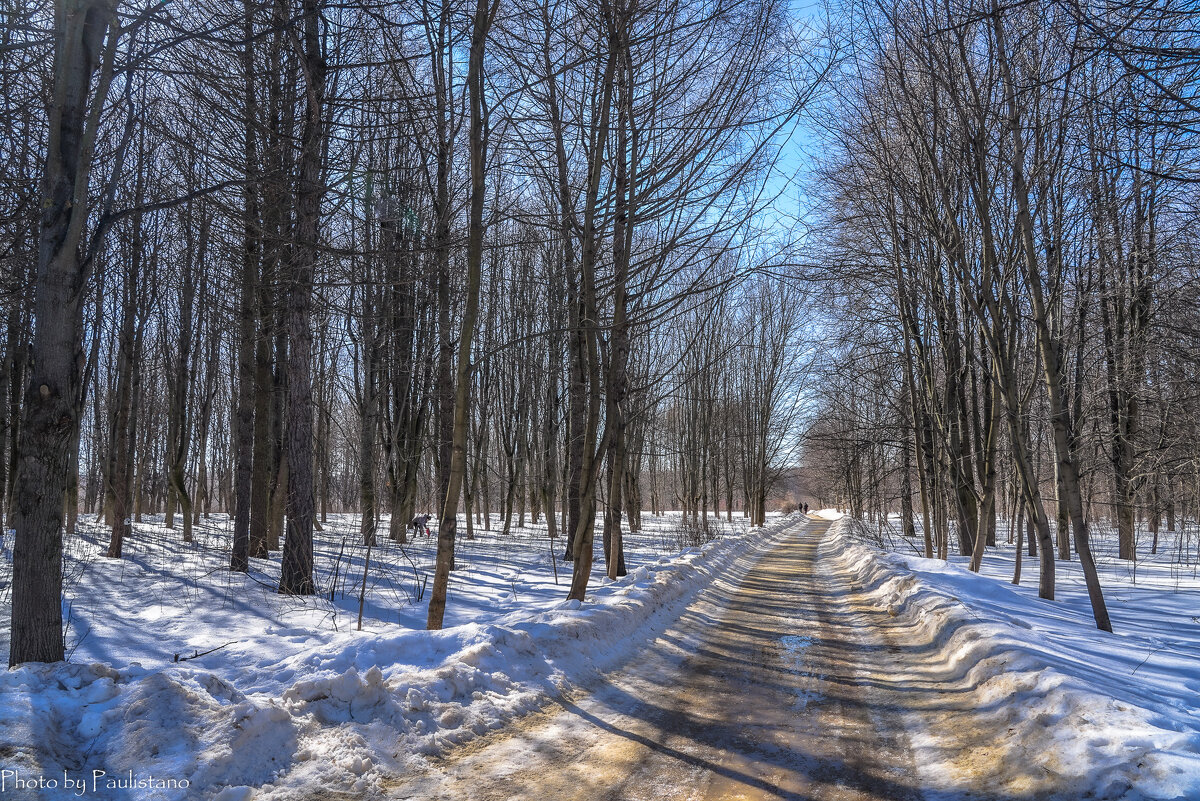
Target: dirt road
(774, 686)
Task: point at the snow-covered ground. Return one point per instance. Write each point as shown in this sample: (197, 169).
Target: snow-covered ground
(1115, 715)
(276, 697)
(294, 701)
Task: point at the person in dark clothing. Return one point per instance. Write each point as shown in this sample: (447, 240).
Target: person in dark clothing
(420, 523)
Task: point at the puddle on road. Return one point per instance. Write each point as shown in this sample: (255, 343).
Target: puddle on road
(792, 652)
(794, 646)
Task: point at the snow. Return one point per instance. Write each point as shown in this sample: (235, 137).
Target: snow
(1109, 715)
(290, 701)
(289, 696)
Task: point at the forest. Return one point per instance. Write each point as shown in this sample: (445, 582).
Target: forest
(279, 261)
(674, 399)
(285, 259)
(1009, 199)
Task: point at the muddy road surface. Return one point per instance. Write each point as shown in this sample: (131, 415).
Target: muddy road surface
(776, 685)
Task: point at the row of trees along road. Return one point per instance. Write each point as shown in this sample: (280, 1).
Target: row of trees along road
(291, 258)
(1011, 196)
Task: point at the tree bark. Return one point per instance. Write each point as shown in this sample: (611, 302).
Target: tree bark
(296, 576)
(81, 30)
(483, 16)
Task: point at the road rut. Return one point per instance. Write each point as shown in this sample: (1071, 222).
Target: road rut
(770, 687)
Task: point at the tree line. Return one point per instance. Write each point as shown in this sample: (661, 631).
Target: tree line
(1010, 195)
(291, 258)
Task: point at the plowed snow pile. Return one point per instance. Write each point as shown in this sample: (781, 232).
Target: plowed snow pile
(338, 712)
(1027, 693)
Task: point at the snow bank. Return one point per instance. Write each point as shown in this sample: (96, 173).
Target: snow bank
(342, 712)
(1049, 696)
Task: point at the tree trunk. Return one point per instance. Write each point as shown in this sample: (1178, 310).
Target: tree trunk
(458, 464)
(243, 419)
(296, 575)
(81, 28)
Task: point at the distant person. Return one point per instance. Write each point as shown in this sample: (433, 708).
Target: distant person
(420, 523)
(806, 508)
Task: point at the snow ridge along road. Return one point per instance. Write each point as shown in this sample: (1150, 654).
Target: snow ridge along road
(343, 711)
(771, 686)
(791, 663)
(825, 671)
(1010, 696)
